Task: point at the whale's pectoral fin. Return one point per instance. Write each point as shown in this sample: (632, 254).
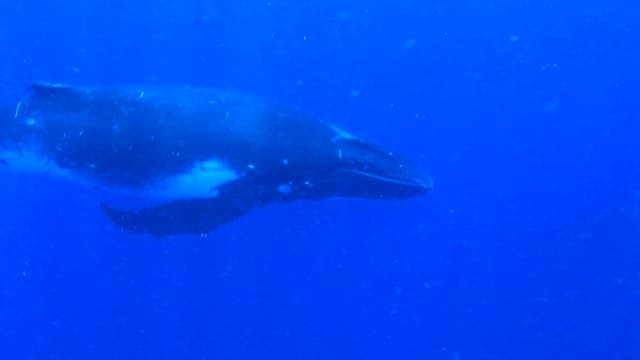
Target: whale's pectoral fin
(195, 216)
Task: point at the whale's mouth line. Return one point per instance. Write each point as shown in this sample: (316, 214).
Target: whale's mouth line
(428, 184)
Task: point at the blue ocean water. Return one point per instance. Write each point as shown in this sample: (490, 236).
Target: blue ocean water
(524, 112)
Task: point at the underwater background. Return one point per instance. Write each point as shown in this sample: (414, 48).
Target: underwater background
(524, 112)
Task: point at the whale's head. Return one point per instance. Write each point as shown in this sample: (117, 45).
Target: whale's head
(373, 172)
(363, 169)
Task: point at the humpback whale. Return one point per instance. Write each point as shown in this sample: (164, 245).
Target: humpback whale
(201, 156)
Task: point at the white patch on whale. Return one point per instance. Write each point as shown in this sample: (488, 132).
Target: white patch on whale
(201, 181)
(31, 163)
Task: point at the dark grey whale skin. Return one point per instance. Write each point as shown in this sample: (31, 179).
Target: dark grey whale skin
(134, 137)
